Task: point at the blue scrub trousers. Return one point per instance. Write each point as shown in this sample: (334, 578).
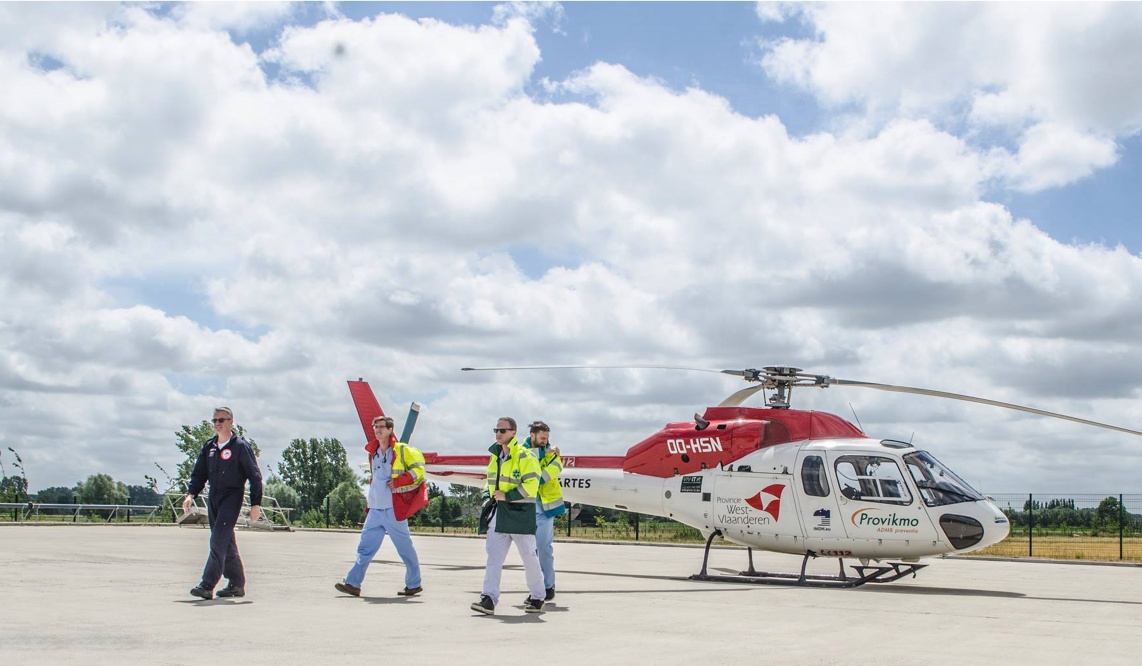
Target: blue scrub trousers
(545, 545)
(378, 523)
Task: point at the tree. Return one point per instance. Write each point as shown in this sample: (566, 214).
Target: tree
(56, 495)
(347, 504)
(314, 468)
(13, 488)
(1107, 513)
(101, 489)
(190, 441)
(144, 495)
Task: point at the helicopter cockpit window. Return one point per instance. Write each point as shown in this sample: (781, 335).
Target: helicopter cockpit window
(872, 479)
(813, 477)
(938, 485)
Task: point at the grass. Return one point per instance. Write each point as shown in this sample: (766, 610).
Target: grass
(1057, 547)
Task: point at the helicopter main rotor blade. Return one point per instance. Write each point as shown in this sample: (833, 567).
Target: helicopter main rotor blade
(589, 367)
(968, 398)
(737, 398)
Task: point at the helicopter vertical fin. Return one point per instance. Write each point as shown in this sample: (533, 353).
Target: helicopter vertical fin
(367, 406)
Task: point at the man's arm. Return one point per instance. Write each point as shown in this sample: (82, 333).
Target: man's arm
(250, 468)
(197, 479)
(413, 475)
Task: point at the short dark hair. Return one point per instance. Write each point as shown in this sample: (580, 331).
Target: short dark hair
(510, 421)
(539, 426)
(388, 421)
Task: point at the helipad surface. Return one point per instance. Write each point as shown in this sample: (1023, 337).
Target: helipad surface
(100, 594)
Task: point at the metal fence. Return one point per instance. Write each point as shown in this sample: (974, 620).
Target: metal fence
(1043, 525)
(74, 513)
(1071, 527)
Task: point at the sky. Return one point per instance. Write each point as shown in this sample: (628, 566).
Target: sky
(249, 204)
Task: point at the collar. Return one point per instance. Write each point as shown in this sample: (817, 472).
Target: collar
(223, 445)
(373, 445)
(505, 450)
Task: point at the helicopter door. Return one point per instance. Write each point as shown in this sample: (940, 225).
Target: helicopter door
(820, 514)
(758, 509)
(876, 504)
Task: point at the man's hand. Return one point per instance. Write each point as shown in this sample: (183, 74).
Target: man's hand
(499, 496)
(390, 484)
(187, 502)
(255, 511)
(555, 449)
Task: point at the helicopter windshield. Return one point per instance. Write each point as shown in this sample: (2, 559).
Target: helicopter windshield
(938, 485)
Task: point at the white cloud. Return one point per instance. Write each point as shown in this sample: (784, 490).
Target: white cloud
(1051, 155)
(358, 218)
(241, 17)
(1016, 68)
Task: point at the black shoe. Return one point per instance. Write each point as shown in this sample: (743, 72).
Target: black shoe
(549, 597)
(484, 605)
(231, 591)
(533, 606)
(410, 591)
(202, 593)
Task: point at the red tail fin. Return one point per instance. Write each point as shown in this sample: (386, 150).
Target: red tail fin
(367, 408)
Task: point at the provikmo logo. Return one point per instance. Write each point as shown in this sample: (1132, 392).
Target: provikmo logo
(877, 518)
(772, 506)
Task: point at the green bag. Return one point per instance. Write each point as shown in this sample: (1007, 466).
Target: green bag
(515, 518)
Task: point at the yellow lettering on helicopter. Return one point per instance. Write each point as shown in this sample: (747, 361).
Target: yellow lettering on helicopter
(697, 445)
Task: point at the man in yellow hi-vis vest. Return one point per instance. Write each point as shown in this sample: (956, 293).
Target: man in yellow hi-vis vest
(550, 503)
(513, 484)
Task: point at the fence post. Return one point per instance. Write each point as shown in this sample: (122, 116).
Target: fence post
(128, 509)
(636, 527)
(326, 511)
(1121, 525)
(443, 508)
(75, 516)
(568, 521)
(1030, 525)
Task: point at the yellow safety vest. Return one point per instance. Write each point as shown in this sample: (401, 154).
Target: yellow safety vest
(517, 477)
(407, 459)
(550, 490)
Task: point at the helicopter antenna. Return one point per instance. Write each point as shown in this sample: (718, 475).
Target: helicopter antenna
(859, 424)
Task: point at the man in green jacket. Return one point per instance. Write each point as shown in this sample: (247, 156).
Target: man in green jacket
(513, 485)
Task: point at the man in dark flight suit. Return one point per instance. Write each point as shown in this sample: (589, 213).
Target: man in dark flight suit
(227, 461)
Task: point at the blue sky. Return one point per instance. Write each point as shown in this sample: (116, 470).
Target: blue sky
(217, 203)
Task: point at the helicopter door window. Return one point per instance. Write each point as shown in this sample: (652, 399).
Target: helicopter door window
(872, 479)
(813, 477)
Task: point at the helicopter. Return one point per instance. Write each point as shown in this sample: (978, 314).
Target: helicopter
(777, 479)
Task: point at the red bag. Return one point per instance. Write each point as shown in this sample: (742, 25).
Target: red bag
(405, 505)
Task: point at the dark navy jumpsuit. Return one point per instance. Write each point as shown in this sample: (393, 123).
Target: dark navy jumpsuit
(227, 469)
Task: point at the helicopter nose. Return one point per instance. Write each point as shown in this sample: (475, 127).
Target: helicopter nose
(986, 526)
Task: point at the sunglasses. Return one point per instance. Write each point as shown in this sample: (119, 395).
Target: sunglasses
(216, 421)
(381, 426)
(500, 431)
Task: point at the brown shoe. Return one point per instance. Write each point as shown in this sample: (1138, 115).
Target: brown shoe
(348, 589)
(410, 591)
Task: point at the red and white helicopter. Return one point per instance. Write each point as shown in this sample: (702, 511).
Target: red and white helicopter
(801, 482)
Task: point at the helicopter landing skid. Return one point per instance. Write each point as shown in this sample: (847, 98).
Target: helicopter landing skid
(884, 573)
